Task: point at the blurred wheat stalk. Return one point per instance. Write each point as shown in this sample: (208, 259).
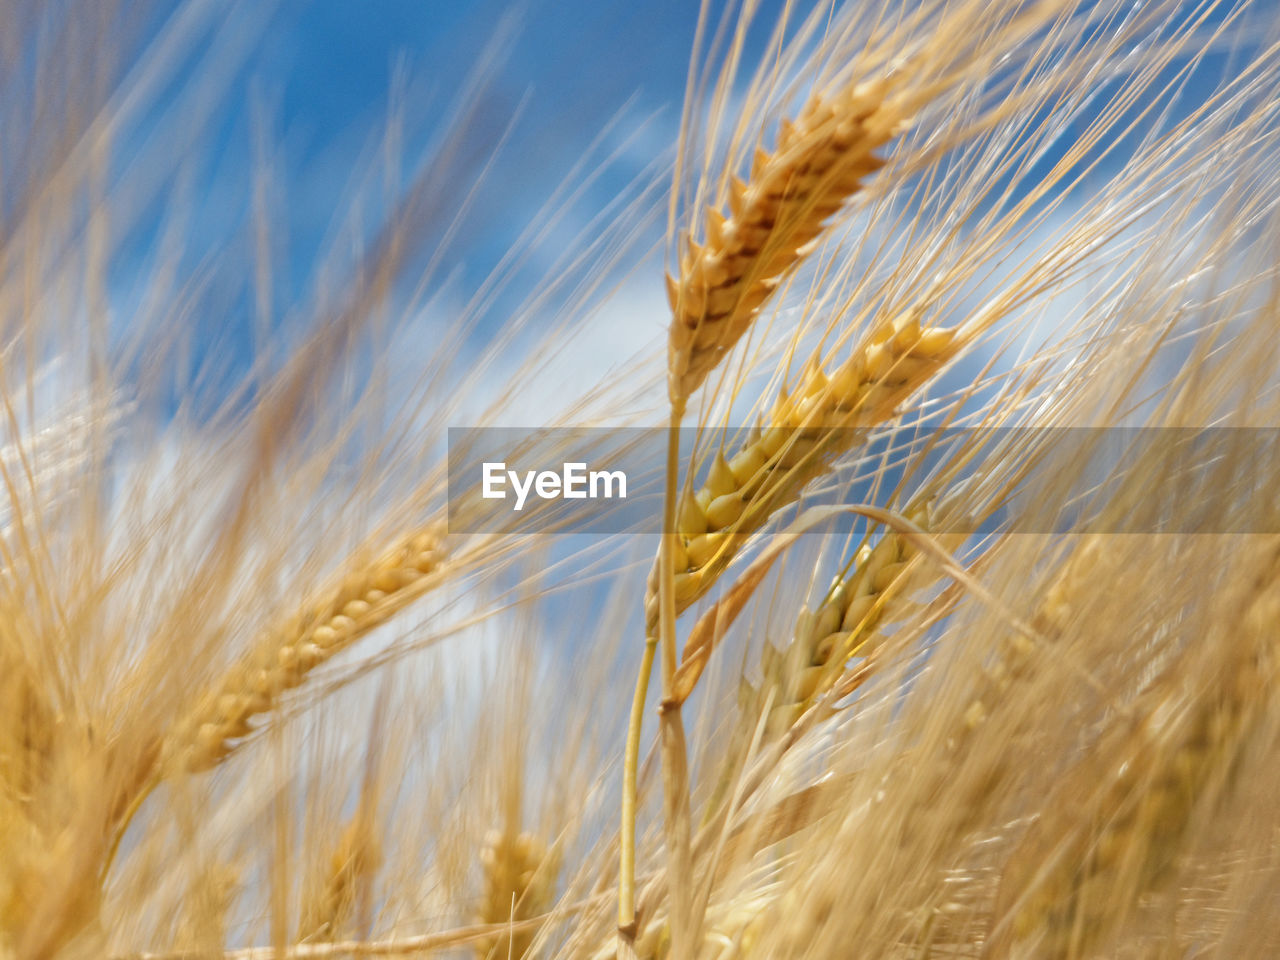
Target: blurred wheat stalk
(257, 700)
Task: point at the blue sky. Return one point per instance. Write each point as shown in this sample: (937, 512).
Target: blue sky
(307, 85)
(320, 74)
(314, 79)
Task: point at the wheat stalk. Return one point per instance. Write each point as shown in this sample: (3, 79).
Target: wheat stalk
(1016, 654)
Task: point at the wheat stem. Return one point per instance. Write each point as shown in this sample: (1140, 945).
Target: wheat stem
(627, 860)
(630, 791)
(675, 761)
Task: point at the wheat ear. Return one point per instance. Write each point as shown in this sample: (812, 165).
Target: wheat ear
(1068, 896)
(366, 598)
(519, 884)
(825, 639)
(331, 905)
(1016, 657)
(806, 428)
(842, 627)
(820, 160)
(27, 731)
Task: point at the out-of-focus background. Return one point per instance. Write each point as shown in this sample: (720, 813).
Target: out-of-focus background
(256, 148)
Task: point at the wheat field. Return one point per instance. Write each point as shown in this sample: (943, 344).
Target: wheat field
(950, 627)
